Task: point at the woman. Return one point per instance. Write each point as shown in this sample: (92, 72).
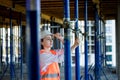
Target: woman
(49, 59)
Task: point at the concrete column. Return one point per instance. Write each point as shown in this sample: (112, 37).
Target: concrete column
(118, 41)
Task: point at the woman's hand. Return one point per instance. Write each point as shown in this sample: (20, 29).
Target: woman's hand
(59, 36)
(76, 44)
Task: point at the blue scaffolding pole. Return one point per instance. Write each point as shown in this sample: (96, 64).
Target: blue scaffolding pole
(97, 45)
(6, 51)
(104, 45)
(20, 48)
(1, 50)
(67, 51)
(77, 52)
(12, 71)
(100, 41)
(33, 40)
(86, 43)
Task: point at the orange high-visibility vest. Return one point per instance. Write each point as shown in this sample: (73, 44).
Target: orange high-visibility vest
(52, 72)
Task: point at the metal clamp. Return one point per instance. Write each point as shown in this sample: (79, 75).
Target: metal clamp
(66, 23)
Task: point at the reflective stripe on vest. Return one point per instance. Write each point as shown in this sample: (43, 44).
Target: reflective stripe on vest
(50, 75)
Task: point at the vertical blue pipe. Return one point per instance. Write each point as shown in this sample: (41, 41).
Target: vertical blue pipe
(0, 49)
(97, 55)
(67, 9)
(67, 51)
(77, 52)
(100, 42)
(105, 44)
(12, 73)
(33, 40)
(7, 45)
(86, 43)
(20, 48)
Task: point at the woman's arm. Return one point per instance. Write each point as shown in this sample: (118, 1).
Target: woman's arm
(76, 44)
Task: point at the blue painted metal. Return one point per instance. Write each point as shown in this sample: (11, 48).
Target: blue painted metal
(105, 45)
(97, 49)
(67, 57)
(21, 48)
(67, 51)
(1, 50)
(77, 52)
(86, 43)
(67, 9)
(89, 77)
(7, 46)
(33, 40)
(104, 74)
(105, 49)
(12, 71)
(100, 41)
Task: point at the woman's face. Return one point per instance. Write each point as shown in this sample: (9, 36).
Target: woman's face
(47, 42)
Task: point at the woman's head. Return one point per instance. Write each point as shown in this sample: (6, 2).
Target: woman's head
(46, 39)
